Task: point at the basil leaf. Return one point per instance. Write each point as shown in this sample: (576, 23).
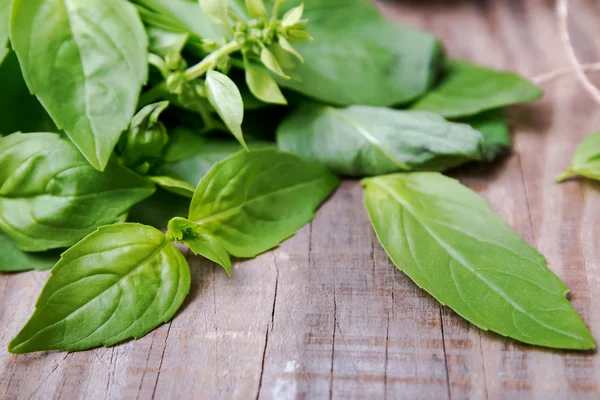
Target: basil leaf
(256, 8)
(158, 209)
(202, 158)
(586, 161)
(470, 89)
(181, 16)
(15, 260)
(19, 110)
(119, 282)
(141, 146)
(174, 185)
(363, 140)
(216, 10)
(494, 128)
(262, 85)
(50, 197)
(4, 22)
(184, 231)
(251, 202)
(225, 97)
(447, 240)
(358, 57)
(86, 61)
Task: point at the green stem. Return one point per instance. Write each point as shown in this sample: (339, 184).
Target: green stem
(160, 91)
(211, 60)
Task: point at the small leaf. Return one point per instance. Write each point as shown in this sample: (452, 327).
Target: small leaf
(293, 16)
(366, 141)
(50, 197)
(493, 127)
(216, 10)
(470, 89)
(262, 85)
(586, 161)
(86, 61)
(256, 8)
(285, 59)
(252, 201)
(225, 97)
(269, 60)
(174, 185)
(184, 231)
(289, 48)
(447, 240)
(119, 282)
(146, 137)
(15, 260)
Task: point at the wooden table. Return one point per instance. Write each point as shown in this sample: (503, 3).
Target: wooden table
(327, 315)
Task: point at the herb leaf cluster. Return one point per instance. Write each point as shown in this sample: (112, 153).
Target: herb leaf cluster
(228, 123)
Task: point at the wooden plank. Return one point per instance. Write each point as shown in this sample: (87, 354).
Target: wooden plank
(326, 315)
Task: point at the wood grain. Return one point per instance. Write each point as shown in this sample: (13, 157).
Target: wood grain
(327, 315)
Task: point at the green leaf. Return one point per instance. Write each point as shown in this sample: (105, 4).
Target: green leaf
(586, 161)
(447, 240)
(202, 155)
(293, 16)
(183, 231)
(4, 23)
(86, 61)
(50, 197)
(256, 8)
(146, 137)
(493, 127)
(15, 260)
(179, 16)
(470, 89)
(119, 282)
(19, 110)
(363, 140)
(285, 45)
(359, 57)
(216, 10)
(262, 85)
(174, 185)
(269, 61)
(225, 97)
(163, 42)
(252, 201)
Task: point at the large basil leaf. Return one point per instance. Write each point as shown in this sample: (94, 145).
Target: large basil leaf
(251, 202)
(4, 22)
(586, 161)
(50, 197)
(86, 61)
(358, 57)
(469, 89)
(363, 140)
(447, 240)
(494, 128)
(118, 283)
(15, 260)
(19, 110)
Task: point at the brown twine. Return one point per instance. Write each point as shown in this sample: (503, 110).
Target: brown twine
(580, 70)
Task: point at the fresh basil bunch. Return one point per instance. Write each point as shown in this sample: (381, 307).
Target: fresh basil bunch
(131, 100)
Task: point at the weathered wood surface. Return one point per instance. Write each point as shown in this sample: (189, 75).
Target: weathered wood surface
(327, 315)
